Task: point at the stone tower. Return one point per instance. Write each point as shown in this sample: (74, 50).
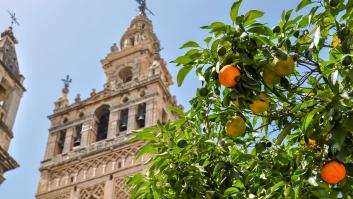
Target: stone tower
(88, 153)
(11, 90)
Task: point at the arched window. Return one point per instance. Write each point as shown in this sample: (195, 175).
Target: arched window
(126, 74)
(102, 115)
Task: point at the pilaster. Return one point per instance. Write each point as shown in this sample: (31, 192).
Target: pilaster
(131, 120)
(108, 189)
(113, 125)
(49, 153)
(68, 140)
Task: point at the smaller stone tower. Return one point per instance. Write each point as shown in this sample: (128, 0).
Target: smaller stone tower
(11, 90)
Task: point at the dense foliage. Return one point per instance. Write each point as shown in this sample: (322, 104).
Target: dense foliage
(309, 121)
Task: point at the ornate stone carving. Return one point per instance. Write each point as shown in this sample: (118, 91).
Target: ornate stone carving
(62, 196)
(96, 192)
(120, 191)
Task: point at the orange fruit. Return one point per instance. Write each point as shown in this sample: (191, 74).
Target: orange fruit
(260, 104)
(227, 75)
(284, 67)
(311, 143)
(333, 172)
(235, 127)
(271, 78)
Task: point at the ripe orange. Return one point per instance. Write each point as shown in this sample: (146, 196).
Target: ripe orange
(227, 76)
(311, 143)
(333, 172)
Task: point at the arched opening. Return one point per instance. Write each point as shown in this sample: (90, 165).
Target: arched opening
(102, 116)
(78, 134)
(124, 115)
(132, 41)
(141, 115)
(164, 117)
(60, 142)
(126, 74)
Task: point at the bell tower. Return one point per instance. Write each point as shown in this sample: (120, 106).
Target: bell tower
(88, 154)
(11, 91)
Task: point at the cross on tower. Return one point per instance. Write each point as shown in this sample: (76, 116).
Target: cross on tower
(13, 19)
(143, 7)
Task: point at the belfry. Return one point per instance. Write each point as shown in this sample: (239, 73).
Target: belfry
(88, 154)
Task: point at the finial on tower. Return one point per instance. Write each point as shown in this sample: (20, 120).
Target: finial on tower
(13, 19)
(66, 82)
(143, 7)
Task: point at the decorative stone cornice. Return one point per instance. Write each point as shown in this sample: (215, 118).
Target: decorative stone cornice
(16, 78)
(6, 161)
(9, 34)
(107, 94)
(83, 152)
(6, 129)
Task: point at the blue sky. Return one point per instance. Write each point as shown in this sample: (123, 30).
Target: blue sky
(59, 37)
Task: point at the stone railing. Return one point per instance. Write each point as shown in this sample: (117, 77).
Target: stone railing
(81, 152)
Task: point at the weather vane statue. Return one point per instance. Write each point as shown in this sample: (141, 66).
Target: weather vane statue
(66, 82)
(143, 7)
(13, 19)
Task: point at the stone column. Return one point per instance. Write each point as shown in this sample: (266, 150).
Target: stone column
(75, 194)
(131, 125)
(43, 183)
(109, 189)
(69, 138)
(11, 105)
(50, 150)
(113, 125)
(149, 113)
(87, 127)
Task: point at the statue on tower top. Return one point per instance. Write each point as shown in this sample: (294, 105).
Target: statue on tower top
(13, 19)
(143, 7)
(66, 82)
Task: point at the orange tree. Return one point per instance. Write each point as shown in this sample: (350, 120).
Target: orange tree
(281, 128)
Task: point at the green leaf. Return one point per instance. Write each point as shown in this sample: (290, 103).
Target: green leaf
(234, 10)
(304, 105)
(339, 135)
(231, 191)
(176, 110)
(182, 60)
(309, 117)
(303, 4)
(251, 15)
(147, 136)
(190, 44)
(208, 40)
(260, 29)
(284, 133)
(277, 186)
(146, 149)
(182, 74)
